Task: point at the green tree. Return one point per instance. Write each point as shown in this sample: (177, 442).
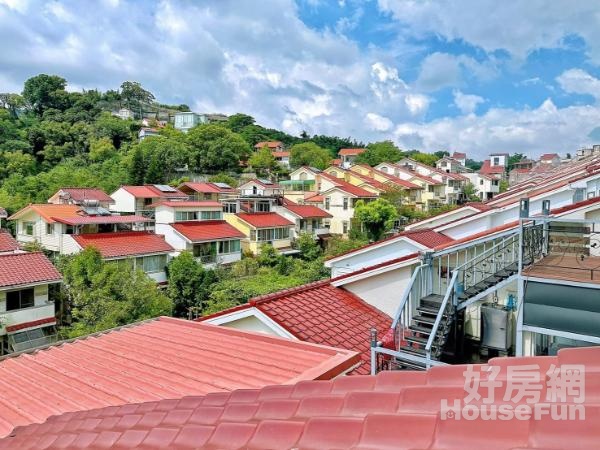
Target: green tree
(425, 158)
(135, 95)
(308, 246)
(470, 192)
(309, 154)
(337, 245)
(263, 161)
(186, 284)
(137, 167)
(237, 122)
(113, 128)
(16, 163)
(379, 152)
(224, 178)
(102, 149)
(12, 102)
(377, 216)
(103, 295)
(43, 92)
(514, 158)
(164, 155)
(215, 148)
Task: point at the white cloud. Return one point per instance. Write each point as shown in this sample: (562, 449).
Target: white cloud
(577, 81)
(416, 103)
(439, 70)
(378, 123)
(518, 26)
(467, 103)
(16, 5)
(529, 131)
(59, 11)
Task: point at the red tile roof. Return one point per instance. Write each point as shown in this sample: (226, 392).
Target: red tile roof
(457, 155)
(126, 243)
(487, 168)
(187, 204)
(268, 144)
(348, 187)
(307, 211)
(26, 268)
(313, 197)
(85, 220)
(426, 237)
(280, 154)
(7, 242)
(367, 269)
(207, 230)
(548, 156)
(205, 188)
(160, 359)
(351, 151)
(80, 194)
(323, 314)
(392, 410)
(49, 212)
(264, 220)
(150, 191)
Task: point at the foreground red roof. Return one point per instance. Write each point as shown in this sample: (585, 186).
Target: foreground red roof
(264, 220)
(165, 358)
(323, 314)
(7, 242)
(26, 268)
(207, 230)
(127, 243)
(392, 410)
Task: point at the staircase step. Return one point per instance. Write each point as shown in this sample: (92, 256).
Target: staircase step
(413, 350)
(411, 365)
(433, 298)
(424, 319)
(420, 329)
(417, 339)
(428, 310)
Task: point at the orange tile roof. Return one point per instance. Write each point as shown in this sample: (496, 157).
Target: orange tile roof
(50, 212)
(351, 151)
(264, 220)
(126, 243)
(160, 359)
(394, 409)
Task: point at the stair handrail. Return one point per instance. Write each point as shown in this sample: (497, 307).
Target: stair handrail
(406, 295)
(438, 318)
(502, 243)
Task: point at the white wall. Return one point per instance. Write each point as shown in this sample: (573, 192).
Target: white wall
(124, 201)
(42, 309)
(383, 291)
(336, 209)
(372, 256)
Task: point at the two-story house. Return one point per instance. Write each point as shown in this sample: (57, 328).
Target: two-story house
(138, 199)
(339, 199)
(198, 227)
(391, 182)
(460, 157)
(87, 197)
(307, 218)
(261, 188)
(205, 190)
(432, 190)
(263, 228)
(53, 226)
(27, 312)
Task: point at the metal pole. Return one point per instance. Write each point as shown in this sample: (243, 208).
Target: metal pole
(373, 351)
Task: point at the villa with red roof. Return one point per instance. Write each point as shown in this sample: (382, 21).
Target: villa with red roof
(137, 200)
(54, 225)
(307, 218)
(26, 308)
(90, 197)
(206, 190)
(263, 228)
(274, 146)
(550, 159)
(348, 156)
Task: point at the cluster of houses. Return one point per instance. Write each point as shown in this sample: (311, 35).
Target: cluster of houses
(512, 275)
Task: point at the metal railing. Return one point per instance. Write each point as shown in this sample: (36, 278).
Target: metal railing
(443, 310)
(408, 304)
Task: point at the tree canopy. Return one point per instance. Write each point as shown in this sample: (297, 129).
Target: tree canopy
(215, 148)
(376, 216)
(309, 154)
(378, 152)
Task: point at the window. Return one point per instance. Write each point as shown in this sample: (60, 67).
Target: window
(271, 234)
(579, 195)
(211, 215)
(496, 161)
(262, 207)
(229, 208)
(495, 183)
(327, 202)
(49, 228)
(151, 264)
(345, 203)
(148, 201)
(254, 190)
(344, 227)
(28, 228)
(430, 188)
(207, 196)
(70, 229)
(229, 247)
(481, 182)
(19, 299)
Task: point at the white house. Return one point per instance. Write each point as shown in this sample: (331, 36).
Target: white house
(307, 218)
(261, 188)
(137, 199)
(87, 197)
(124, 114)
(198, 226)
(27, 313)
(486, 186)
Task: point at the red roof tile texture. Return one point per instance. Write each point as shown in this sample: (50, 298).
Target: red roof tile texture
(392, 410)
(7, 242)
(487, 168)
(127, 243)
(81, 194)
(348, 187)
(150, 191)
(265, 220)
(83, 220)
(162, 359)
(351, 151)
(324, 314)
(207, 230)
(307, 211)
(26, 268)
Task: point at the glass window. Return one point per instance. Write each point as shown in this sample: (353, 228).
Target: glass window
(229, 247)
(430, 188)
(28, 228)
(229, 208)
(211, 215)
(345, 227)
(151, 264)
(185, 215)
(19, 299)
(345, 203)
(49, 228)
(327, 202)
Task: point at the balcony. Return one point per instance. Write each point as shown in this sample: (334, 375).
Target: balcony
(24, 315)
(148, 213)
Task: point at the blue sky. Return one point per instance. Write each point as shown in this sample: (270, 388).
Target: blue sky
(477, 76)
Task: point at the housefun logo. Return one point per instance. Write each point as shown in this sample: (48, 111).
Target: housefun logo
(525, 393)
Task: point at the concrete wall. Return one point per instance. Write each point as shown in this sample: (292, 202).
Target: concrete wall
(124, 201)
(42, 309)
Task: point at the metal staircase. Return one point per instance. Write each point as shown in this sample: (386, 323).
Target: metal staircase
(427, 315)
